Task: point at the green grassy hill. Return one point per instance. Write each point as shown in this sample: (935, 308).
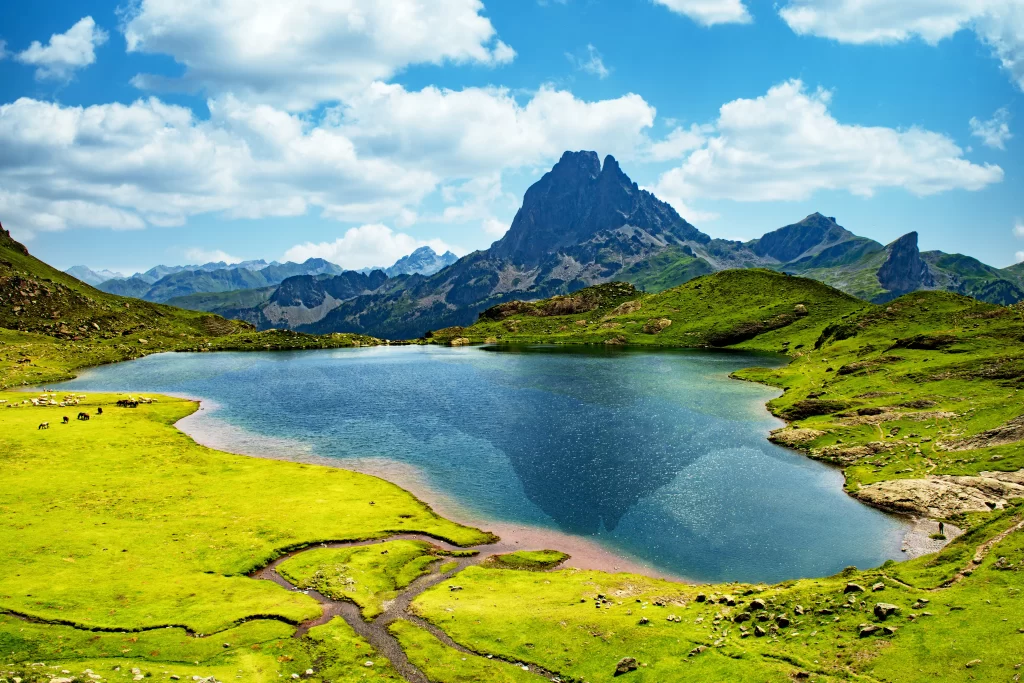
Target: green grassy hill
(754, 309)
(52, 324)
(220, 303)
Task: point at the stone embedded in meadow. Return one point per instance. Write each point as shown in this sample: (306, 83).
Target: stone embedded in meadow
(884, 610)
(625, 665)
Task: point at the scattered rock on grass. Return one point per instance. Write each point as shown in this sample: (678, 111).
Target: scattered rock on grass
(884, 610)
(625, 665)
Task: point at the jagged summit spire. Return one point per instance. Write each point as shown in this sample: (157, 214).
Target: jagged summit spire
(579, 198)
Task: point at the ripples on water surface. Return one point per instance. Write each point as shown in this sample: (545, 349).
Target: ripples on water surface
(656, 454)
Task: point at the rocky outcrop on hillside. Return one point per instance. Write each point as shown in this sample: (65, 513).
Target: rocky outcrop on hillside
(7, 241)
(1011, 432)
(942, 497)
(904, 270)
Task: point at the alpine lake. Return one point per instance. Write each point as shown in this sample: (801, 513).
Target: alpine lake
(657, 456)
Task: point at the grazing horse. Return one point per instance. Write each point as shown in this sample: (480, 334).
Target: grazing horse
(83, 416)
(99, 411)
(44, 425)
(66, 419)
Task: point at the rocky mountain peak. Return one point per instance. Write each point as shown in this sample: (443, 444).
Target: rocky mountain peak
(578, 198)
(813, 233)
(904, 270)
(424, 261)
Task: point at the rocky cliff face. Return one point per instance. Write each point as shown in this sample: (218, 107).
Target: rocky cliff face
(311, 290)
(904, 270)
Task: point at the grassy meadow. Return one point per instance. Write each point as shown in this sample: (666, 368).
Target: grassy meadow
(124, 524)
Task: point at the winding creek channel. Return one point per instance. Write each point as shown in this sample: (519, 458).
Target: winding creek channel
(375, 631)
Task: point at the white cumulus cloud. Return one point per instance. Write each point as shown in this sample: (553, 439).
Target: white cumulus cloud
(372, 160)
(1018, 229)
(126, 166)
(298, 53)
(786, 145)
(66, 52)
(995, 132)
(997, 23)
(679, 142)
(477, 130)
(710, 12)
(366, 246)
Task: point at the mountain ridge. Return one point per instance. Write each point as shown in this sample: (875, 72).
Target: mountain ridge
(585, 222)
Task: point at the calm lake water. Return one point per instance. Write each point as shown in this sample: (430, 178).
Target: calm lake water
(654, 454)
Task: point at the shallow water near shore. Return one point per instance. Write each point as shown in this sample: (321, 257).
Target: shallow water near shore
(655, 456)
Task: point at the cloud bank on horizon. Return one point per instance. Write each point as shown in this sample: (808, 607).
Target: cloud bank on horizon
(307, 109)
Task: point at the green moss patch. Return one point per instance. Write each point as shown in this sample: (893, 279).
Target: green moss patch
(532, 560)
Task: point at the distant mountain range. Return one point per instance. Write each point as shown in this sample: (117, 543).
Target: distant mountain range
(585, 223)
(242, 285)
(582, 223)
(92, 277)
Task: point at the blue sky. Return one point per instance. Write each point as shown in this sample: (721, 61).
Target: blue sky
(158, 131)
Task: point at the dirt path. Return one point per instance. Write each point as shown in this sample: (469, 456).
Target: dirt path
(376, 630)
(981, 552)
(976, 559)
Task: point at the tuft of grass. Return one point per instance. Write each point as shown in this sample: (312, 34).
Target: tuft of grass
(341, 656)
(531, 560)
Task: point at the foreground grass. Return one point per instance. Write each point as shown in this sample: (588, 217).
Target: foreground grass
(257, 651)
(123, 522)
(442, 663)
(580, 624)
